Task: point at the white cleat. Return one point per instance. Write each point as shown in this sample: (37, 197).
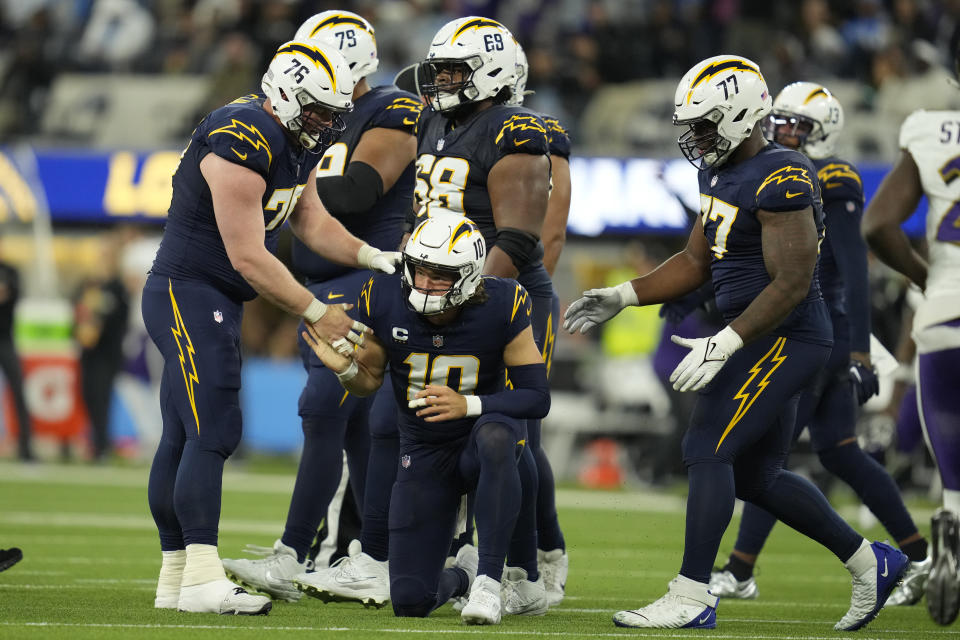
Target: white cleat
(484, 604)
(271, 575)
(914, 584)
(724, 584)
(687, 605)
(876, 569)
(223, 597)
(521, 597)
(553, 566)
(355, 577)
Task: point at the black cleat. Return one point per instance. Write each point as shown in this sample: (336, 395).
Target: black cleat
(10, 557)
(943, 585)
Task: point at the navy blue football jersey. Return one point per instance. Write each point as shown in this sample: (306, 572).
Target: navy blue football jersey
(466, 355)
(381, 227)
(243, 133)
(776, 179)
(842, 192)
(453, 163)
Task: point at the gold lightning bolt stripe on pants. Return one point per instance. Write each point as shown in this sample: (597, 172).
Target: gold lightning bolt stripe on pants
(753, 400)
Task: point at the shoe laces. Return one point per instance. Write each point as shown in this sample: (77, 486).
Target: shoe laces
(864, 593)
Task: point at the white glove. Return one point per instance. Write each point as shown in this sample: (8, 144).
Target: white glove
(597, 306)
(383, 261)
(705, 359)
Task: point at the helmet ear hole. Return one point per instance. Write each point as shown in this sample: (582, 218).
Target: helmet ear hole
(740, 115)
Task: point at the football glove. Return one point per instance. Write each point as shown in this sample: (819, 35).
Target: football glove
(383, 261)
(597, 306)
(864, 379)
(705, 359)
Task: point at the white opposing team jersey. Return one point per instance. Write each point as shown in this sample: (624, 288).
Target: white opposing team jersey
(933, 139)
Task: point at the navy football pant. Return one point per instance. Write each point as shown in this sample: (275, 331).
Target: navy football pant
(431, 481)
(828, 408)
(332, 420)
(197, 330)
(381, 473)
(737, 442)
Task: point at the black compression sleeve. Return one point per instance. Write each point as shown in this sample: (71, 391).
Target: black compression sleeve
(355, 192)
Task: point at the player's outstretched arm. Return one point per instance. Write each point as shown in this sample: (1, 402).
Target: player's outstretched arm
(361, 372)
(789, 240)
(519, 188)
(677, 276)
(237, 195)
(325, 236)
(554, 234)
(895, 200)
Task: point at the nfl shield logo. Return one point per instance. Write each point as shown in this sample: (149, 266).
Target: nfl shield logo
(218, 316)
(405, 461)
(440, 144)
(438, 341)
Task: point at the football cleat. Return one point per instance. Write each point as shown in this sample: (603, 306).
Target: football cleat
(943, 585)
(484, 604)
(912, 588)
(553, 566)
(223, 597)
(356, 577)
(876, 569)
(724, 584)
(271, 575)
(10, 557)
(520, 596)
(688, 604)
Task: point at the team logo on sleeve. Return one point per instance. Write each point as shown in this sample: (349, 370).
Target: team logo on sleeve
(246, 133)
(413, 107)
(836, 171)
(788, 173)
(518, 122)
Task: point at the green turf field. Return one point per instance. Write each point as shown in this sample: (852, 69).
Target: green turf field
(91, 559)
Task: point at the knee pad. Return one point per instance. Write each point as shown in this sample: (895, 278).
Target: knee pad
(410, 599)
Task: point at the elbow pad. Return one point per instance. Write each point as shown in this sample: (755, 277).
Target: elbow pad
(353, 193)
(523, 247)
(529, 398)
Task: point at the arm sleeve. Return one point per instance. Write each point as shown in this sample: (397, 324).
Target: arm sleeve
(529, 397)
(353, 193)
(522, 133)
(850, 254)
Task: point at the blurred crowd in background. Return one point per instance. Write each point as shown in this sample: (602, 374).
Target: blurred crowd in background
(606, 68)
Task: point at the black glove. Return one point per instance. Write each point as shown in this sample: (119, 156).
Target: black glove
(864, 379)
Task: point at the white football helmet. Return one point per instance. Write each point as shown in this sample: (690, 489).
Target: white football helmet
(450, 243)
(814, 116)
(720, 99)
(352, 35)
(519, 91)
(483, 51)
(309, 75)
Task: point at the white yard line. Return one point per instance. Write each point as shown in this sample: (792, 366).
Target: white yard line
(438, 631)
